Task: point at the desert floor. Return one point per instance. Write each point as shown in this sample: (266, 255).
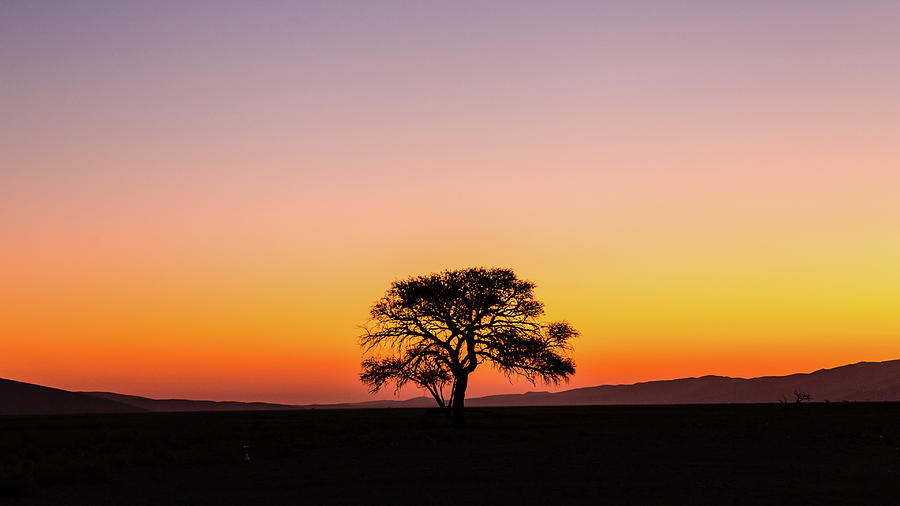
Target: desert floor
(814, 453)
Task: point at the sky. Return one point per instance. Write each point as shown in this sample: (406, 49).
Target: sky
(202, 199)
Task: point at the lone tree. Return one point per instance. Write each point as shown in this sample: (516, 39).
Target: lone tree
(800, 396)
(451, 321)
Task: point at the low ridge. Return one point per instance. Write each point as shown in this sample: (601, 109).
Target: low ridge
(863, 381)
(18, 398)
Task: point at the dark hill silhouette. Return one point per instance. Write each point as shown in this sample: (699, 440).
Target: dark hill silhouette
(171, 405)
(18, 398)
(414, 402)
(864, 381)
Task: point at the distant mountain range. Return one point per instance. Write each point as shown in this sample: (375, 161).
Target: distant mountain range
(864, 381)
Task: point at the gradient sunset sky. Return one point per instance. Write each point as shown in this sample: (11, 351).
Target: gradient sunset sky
(202, 199)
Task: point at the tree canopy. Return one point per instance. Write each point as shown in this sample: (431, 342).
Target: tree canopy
(428, 329)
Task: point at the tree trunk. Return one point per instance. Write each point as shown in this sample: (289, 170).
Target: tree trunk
(459, 400)
(437, 397)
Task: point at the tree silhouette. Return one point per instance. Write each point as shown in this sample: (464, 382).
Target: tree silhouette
(424, 371)
(800, 396)
(456, 319)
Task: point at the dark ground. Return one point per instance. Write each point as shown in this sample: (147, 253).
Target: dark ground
(714, 454)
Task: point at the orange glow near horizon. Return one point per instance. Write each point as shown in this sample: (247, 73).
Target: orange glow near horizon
(209, 213)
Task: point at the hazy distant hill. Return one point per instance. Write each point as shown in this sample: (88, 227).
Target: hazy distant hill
(415, 402)
(18, 398)
(188, 405)
(865, 381)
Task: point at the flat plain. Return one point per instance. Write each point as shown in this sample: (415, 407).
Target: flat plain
(813, 453)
